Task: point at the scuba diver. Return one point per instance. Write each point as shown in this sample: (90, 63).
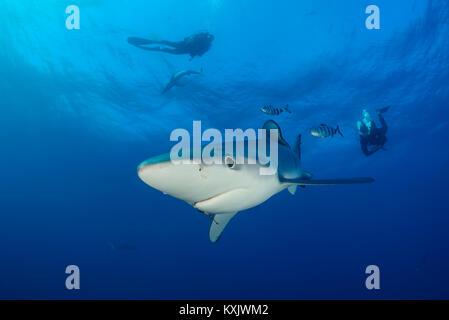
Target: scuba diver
(194, 45)
(370, 134)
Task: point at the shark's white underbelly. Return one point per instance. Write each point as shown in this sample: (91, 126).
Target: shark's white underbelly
(242, 198)
(213, 188)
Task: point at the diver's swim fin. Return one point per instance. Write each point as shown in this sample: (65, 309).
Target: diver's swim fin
(219, 224)
(326, 182)
(383, 110)
(140, 41)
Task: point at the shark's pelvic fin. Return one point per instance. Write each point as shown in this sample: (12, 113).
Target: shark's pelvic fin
(219, 224)
(292, 188)
(305, 182)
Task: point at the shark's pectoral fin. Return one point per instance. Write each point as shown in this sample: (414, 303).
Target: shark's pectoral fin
(292, 188)
(219, 224)
(304, 182)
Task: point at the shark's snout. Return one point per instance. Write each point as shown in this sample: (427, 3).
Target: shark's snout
(183, 181)
(191, 182)
(140, 168)
(153, 173)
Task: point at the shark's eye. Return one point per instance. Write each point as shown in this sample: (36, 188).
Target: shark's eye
(229, 161)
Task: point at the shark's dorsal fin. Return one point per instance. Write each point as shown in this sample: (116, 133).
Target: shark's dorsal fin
(219, 224)
(271, 124)
(297, 147)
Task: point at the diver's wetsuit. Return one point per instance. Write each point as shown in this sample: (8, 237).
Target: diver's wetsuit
(375, 138)
(194, 45)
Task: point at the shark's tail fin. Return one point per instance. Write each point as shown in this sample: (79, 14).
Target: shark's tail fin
(287, 108)
(165, 89)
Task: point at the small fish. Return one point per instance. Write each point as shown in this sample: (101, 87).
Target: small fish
(324, 131)
(273, 111)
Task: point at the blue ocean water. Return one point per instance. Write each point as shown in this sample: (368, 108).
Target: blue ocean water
(80, 109)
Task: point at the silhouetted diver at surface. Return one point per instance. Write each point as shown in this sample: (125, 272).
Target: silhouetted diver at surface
(370, 134)
(174, 80)
(194, 45)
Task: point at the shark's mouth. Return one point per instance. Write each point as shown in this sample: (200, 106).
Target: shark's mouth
(201, 202)
(210, 198)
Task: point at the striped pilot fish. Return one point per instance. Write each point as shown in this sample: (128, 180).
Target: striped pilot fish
(273, 111)
(324, 131)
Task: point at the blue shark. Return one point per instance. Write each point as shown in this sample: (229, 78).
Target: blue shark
(176, 77)
(222, 190)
